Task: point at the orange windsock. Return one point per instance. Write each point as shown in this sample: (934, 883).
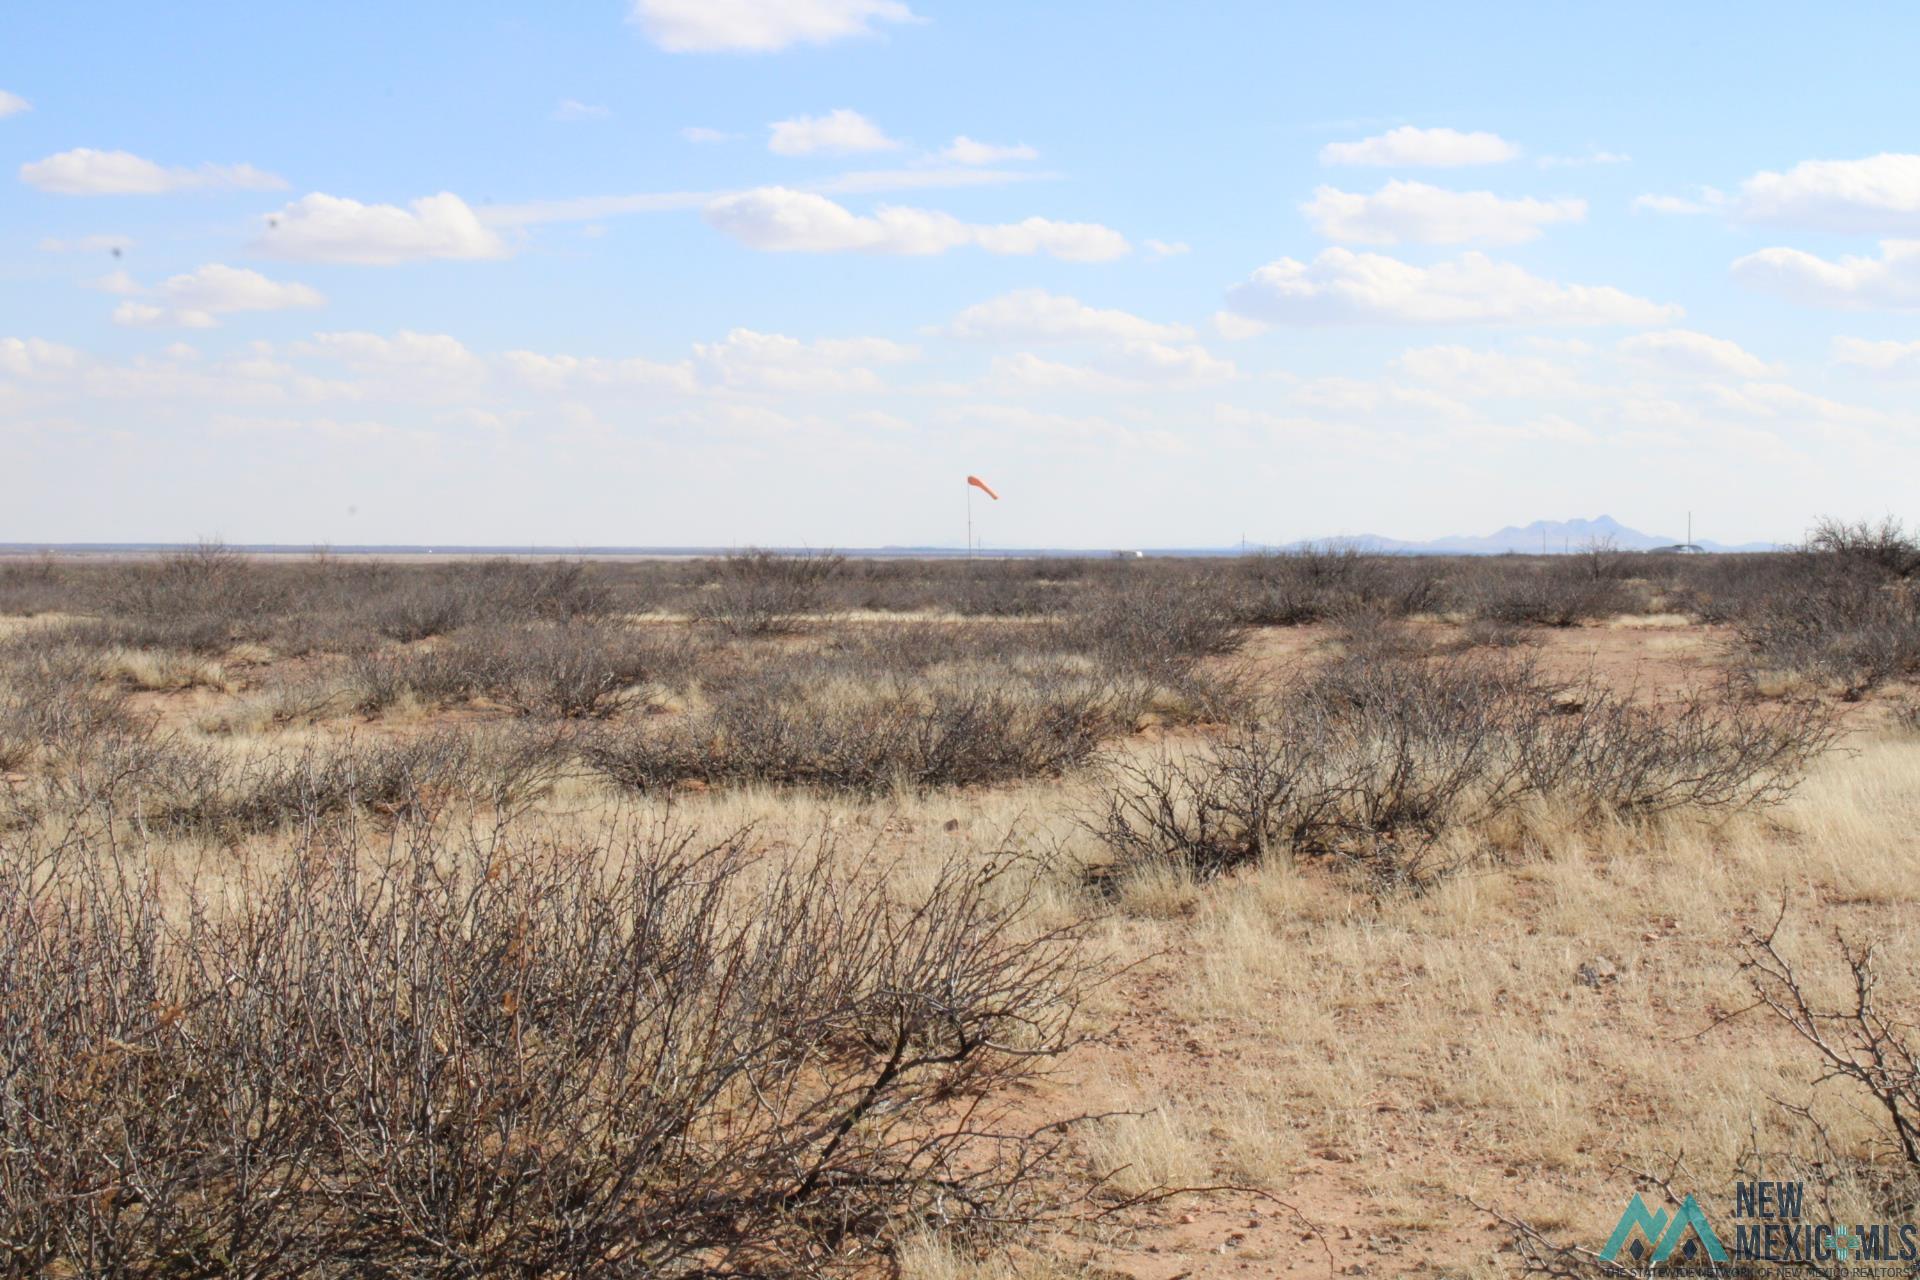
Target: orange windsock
(983, 487)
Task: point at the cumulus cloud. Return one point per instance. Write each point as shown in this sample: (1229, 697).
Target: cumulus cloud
(116, 282)
(1025, 371)
(1130, 366)
(436, 355)
(703, 135)
(1034, 315)
(323, 228)
(12, 104)
(1167, 248)
(1877, 194)
(752, 361)
(1684, 351)
(840, 132)
(1344, 287)
(1878, 357)
(1424, 148)
(569, 373)
(779, 219)
(194, 300)
(1465, 371)
(964, 150)
(1706, 200)
(1237, 328)
(28, 357)
(1151, 361)
(146, 315)
(1890, 281)
(86, 172)
(1421, 214)
(1125, 350)
(760, 26)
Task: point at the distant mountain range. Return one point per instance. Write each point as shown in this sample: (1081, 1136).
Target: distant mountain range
(1550, 536)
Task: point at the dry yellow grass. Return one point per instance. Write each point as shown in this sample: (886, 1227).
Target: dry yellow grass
(1525, 1034)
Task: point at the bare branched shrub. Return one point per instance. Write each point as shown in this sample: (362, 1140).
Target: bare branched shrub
(1854, 629)
(200, 600)
(422, 606)
(586, 670)
(795, 731)
(1157, 628)
(55, 698)
(30, 585)
(1863, 1043)
(394, 778)
(1374, 760)
(1698, 753)
(761, 592)
(654, 1057)
(1886, 547)
(1311, 583)
(1559, 593)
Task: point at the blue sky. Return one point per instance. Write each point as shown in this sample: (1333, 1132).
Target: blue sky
(785, 271)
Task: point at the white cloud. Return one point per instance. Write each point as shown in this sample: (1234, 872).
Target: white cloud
(1027, 371)
(12, 104)
(1890, 281)
(1685, 351)
(1707, 200)
(760, 26)
(1877, 194)
(1237, 328)
(564, 372)
(700, 134)
(116, 282)
(86, 172)
(145, 315)
(1031, 315)
(1421, 214)
(964, 150)
(773, 362)
(323, 228)
(1130, 366)
(195, 300)
(1879, 357)
(1428, 148)
(779, 219)
(224, 289)
(871, 181)
(1465, 371)
(840, 132)
(1874, 195)
(571, 110)
(1167, 248)
(87, 244)
(436, 355)
(1163, 362)
(1778, 400)
(1128, 351)
(28, 357)
(1341, 286)
(854, 182)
